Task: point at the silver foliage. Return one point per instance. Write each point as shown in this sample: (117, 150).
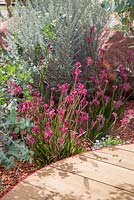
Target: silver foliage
(70, 19)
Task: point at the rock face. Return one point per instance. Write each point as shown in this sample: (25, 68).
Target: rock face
(116, 52)
(116, 47)
(3, 31)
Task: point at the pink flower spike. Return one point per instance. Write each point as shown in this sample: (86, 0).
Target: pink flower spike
(41, 116)
(126, 86)
(14, 135)
(69, 99)
(45, 106)
(115, 115)
(102, 51)
(49, 133)
(93, 78)
(106, 81)
(93, 124)
(23, 132)
(58, 86)
(11, 83)
(84, 91)
(95, 102)
(54, 156)
(125, 76)
(29, 88)
(78, 64)
(103, 75)
(84, 116)
(91, 29)
(51, 113)
(32, 140)
(65, 129)
(81, 131)
(53, 89)
(60, 129)
(117, 104)
(80, 86)
(64, 88)
(89, 61)
(77, 71)
(89, 40)
(72, 135)
(66, 124)
(100, 118)
(76, 121)
(36, 94)
(60, 141)
(50, 48)
(130, 113)
(125, 121)
(106, 99)
(60, 112)
(115, 87)
(121, 69)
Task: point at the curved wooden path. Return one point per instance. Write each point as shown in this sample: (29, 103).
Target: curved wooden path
(106, 174)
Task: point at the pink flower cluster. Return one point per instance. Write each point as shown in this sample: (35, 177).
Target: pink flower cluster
(129, 115)
(76, 114)
(76, 72)
(91, 31)
(14, 88)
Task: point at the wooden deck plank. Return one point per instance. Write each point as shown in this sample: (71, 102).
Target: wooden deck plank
(97, 170)
(118, 152)
(82, 177)
(113, 156)
(55, 184)
(126, 147)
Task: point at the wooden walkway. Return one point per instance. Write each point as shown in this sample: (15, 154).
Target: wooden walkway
(106, 174)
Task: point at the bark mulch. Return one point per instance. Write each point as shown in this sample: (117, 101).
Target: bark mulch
(11, 177)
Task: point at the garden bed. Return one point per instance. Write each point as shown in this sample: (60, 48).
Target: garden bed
(61, 93)
(12, 177)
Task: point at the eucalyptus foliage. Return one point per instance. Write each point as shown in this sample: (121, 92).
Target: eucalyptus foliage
(10, 149)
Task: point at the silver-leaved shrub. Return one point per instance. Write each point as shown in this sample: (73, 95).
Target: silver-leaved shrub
(56, 33)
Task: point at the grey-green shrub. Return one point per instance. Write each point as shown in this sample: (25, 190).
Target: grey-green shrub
(70, 20)
(11, 150)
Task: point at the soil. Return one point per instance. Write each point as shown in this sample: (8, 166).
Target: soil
(11, 177)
